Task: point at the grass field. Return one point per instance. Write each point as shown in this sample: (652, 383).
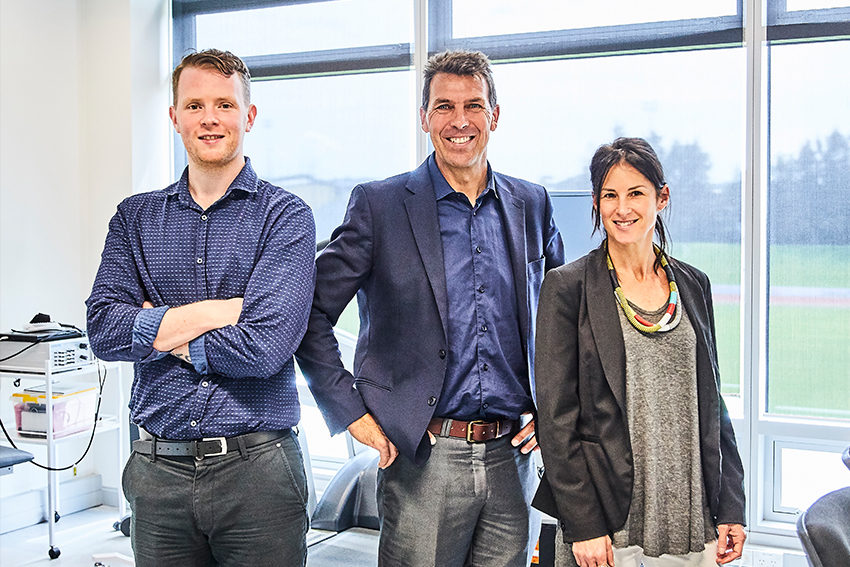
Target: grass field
(808, 343)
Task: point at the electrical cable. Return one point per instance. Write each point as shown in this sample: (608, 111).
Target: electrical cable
(101, 381)
(23, 350)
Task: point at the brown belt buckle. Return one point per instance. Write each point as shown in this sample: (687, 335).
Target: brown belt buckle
(469, 438)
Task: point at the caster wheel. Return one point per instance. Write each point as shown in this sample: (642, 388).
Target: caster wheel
(124, 525)
(54, 552)
(56, 517)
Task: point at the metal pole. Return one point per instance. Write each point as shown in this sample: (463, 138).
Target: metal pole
(754, 270)
(420, 57)
(52, 496)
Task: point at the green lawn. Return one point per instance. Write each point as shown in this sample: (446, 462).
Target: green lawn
(809, 361)
(808, 345)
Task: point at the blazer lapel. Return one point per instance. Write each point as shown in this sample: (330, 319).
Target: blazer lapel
(513, 213)
(605, 325)
(421, 206)
(693, 296)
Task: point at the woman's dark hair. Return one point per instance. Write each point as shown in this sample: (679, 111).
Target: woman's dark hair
(637, 153)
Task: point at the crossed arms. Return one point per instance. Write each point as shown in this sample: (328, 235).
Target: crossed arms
(251, 335)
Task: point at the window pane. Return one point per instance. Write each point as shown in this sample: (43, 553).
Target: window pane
(509, 16)
(319, 137)
(793, 5)
(549, 133)
(308, 27)
(809, 236)
(807, 475)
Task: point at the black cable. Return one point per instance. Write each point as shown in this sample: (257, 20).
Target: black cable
(23, 350)
(101, 381)
(67, 326)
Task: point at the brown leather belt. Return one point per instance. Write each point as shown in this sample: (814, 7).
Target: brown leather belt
(209, 447)
(473, 431)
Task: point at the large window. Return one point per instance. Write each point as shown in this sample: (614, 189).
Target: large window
(801, 392)
(808, 231)
(746, 104)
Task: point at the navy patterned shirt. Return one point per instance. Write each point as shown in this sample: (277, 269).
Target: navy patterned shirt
(257, 242)
(486, 371)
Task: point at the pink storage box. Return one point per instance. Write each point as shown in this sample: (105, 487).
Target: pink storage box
(73, 409)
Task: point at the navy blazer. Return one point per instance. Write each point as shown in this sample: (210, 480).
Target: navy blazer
(582, 425)
(389, 252)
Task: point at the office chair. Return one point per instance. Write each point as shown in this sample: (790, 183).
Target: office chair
(824, 529)
(10, 457)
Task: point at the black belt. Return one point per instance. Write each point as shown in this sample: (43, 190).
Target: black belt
(209, 447)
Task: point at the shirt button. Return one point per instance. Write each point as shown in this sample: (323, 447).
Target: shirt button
(200, 260)
(193, 423)
(442, 354)
(432, 400)
(205, 384)
(478, 249)
(485, 405)
(481, 289)
(203, 217)
(483, 328)
(486, 367)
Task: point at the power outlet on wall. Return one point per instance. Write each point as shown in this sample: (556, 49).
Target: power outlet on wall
(767, 559)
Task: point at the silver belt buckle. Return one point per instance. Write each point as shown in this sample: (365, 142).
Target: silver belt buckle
(222, 441)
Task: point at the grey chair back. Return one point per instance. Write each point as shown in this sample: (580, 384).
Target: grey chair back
(824, 529)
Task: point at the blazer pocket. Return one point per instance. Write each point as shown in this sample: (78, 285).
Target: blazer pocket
(534, 273)
(536, 266)
(613, 487)
(367, 382)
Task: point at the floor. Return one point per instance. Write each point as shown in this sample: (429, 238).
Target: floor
(80, 535)
(77, 536)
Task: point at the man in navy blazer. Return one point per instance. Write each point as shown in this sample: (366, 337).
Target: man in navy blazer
(446, 262)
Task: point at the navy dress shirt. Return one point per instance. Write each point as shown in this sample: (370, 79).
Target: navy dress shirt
(486, 374)
(257, 242)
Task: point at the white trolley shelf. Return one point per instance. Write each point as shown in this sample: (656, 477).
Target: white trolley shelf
(105, 423)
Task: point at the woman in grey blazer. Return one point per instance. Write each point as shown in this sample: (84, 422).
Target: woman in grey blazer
(640, 456)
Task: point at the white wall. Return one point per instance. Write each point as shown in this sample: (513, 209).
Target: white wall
(84, 87)
(40, 162)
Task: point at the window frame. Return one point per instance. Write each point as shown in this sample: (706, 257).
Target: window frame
(755, 26)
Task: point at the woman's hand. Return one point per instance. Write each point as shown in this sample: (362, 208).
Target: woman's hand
(730, 542)
(595, 552)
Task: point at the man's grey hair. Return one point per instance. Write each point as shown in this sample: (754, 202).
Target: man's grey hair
(463, 63)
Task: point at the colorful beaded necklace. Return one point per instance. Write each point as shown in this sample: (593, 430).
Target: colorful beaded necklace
(668, 320)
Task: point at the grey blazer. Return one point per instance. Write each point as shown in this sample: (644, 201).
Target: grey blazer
(581, 397)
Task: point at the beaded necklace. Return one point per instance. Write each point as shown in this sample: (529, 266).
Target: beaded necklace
(671, 315)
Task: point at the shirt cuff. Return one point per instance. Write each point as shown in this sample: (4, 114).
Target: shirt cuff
(198, 354)
(145, 329)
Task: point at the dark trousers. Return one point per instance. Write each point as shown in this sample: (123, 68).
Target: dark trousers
(469, 505)
(224, 510)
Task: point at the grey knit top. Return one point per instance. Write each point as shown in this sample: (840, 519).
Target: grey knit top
(668, 511)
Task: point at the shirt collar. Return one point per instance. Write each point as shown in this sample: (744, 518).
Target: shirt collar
(245, 182)
(442, 189)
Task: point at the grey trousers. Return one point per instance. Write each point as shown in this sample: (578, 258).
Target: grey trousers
(469, 505)
(220, 510)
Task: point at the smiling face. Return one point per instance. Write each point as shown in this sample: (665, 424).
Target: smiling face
(459, 120)
(212, 116)
(628, 205)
